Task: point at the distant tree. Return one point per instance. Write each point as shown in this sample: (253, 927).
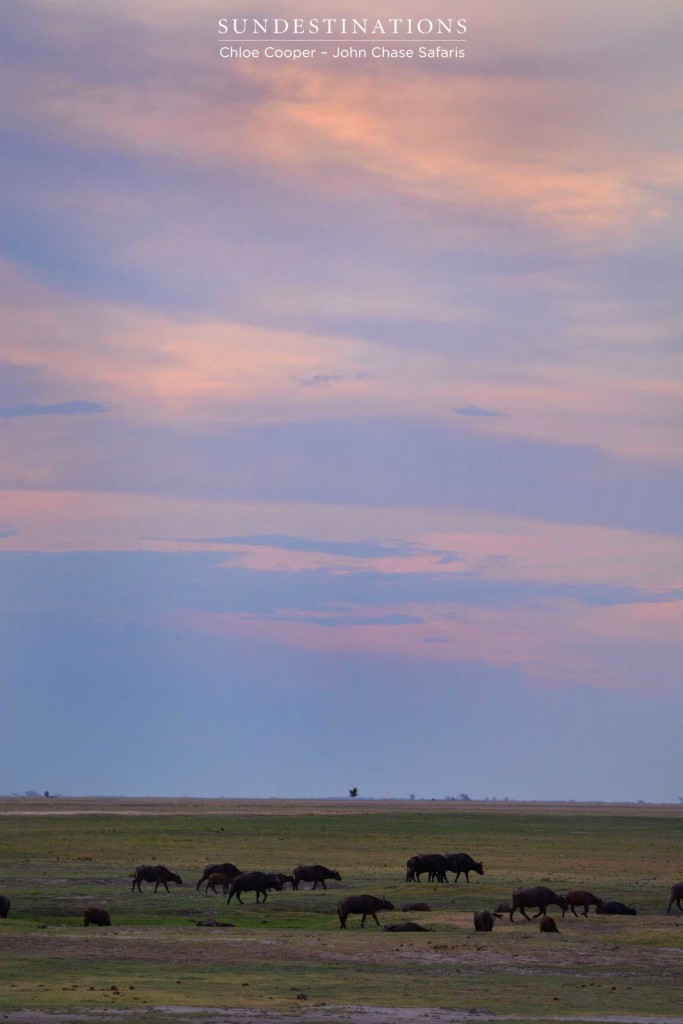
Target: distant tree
(353, 792)
(463, 796)
(46, 793)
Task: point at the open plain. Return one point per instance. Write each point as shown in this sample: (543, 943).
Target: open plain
(287, 959)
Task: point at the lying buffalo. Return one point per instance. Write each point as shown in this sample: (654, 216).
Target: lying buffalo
(315, 873)
(219, 869)
(253, 881)
(406, 926)
(462, 864)
(538, 896)
(484, 921)
(615, 907)
(156, 873)
(503, 907)
(365, 905)
(434, 864)
(5, 904)
(676, 896)
(547, 924)
(424, 907)
(96, 915)
(581, 898)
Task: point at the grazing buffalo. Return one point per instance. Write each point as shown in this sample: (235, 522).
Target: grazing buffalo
(219, 869)
(365, 905)
(156, 873)
(547, 924)
(417, 906)
(315, 873)
(462, 864)
(217, 878)
(581, 898)
(95, 915)
(253, 881)
(433, 863)
(406, 926)
(5, 904)
(538, 896)
(484, 921)
(615, 907)
(676, 896)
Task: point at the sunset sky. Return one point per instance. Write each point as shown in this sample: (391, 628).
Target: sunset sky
(341, 406)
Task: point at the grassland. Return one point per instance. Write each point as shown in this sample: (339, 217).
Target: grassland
(59, 856)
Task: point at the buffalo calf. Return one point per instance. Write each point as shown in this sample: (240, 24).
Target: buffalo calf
(96, 915)
(547, 924)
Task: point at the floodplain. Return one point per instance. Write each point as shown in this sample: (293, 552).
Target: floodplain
(287, 959)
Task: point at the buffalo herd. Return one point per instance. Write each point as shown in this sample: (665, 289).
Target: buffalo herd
(234, 882)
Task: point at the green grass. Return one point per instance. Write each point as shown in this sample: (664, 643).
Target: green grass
(154, 955)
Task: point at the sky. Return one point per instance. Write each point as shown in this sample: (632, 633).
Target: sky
(341, 405)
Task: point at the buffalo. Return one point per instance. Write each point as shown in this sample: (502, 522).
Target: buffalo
(406, 926)
(217, 878)
(462, 863)
(253, 881)
(5, 905)
(503, 907)
(581, 898)
(484, 921)
(365, 905)
(96, 915)
(424, 907)
(432, 863)
(676, 896)
(547, 924)
(219, 869)
(538, 896)
(315, 873)
(615, 907)
(157, 873)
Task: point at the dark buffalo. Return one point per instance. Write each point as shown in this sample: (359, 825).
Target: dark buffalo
(406, 926)
(96, 915)
(484, 921)
(417, 906)
(315, 873)
(5, 905)
(432, 863)
(253, 881)
(547, 924)
(581, 898)
(462, 864)
(538, 896)
(676, 896)
(615, 907)
(503, 907)
(156, 873)
(365, 905)
(284, 879)
(219, 869)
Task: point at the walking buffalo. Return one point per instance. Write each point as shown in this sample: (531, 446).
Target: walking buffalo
(156, 873)
(365, 905)
(581, 898)
(96, 915)
(547, 924)
(5, 904)
(253, 881)
(432, 863)
(615, 907)
(219, 869)
(462, 864)
(484, 921)
(315, 873)
(676, 896)
(217, 878)
(538, 896)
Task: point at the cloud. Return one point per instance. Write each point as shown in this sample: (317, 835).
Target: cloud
(74, 408)
(363, 549)
(477, 410)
